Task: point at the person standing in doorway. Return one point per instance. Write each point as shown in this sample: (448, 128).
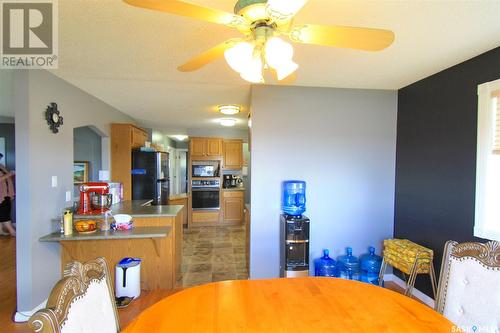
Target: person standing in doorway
(7, 193)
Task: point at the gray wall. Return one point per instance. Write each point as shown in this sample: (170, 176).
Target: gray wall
(342, 142)
(7, 131)
(41, 155)
(87, 147)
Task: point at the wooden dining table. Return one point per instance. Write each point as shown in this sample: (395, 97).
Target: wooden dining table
(313, 304)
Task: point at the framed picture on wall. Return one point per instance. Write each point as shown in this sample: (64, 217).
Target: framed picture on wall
(80, 172)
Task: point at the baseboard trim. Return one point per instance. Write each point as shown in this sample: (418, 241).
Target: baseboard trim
(417, 293)
(22, 317)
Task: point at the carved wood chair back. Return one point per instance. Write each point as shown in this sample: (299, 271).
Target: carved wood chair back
(468, 292)
(83, 301)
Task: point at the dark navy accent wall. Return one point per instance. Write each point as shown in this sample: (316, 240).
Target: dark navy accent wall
(436, 156)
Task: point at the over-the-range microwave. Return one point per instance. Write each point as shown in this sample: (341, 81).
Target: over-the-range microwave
(205, 171)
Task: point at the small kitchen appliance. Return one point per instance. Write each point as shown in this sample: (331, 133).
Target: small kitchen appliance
(128, 278)
(205, 169)
(102, 202)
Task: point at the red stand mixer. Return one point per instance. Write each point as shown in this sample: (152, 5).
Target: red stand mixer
(95, 198)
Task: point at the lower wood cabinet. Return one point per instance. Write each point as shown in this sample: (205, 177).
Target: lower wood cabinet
(232, 206)
(201, 217)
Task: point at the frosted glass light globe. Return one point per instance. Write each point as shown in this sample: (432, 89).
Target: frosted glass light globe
(278, 51)
(239, 56)
(253, 72)
(286, 69)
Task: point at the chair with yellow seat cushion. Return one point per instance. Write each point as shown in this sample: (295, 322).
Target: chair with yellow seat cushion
(82, 301)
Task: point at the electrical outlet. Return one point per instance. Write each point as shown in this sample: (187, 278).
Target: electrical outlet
(68, 196)
(54, 181)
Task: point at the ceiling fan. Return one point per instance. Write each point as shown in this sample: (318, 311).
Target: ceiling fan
(263, 22)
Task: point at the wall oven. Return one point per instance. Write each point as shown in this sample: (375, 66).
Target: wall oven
(205, 194)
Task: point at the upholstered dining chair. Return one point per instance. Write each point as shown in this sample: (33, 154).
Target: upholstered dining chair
(469, 292)
(82, 301)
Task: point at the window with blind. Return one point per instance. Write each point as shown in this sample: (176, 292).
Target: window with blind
(495, 95)
(487, 218)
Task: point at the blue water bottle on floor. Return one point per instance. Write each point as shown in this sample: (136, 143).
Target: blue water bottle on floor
(325, 266)
(348, 266)
(370, 266)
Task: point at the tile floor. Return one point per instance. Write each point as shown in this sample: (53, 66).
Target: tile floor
(212, 254)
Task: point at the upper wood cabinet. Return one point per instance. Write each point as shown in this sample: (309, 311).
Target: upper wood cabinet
(233, 154)
(205, 147)
(214, 147)
(124, 138)
(197, 147)
(139, 137)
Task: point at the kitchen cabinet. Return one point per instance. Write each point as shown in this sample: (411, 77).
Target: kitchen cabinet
(232, 206)
(197, 147)
(204, 218)
(124, 138)
(181, 200)
(139, 137)
(233, 154)
(205, 148)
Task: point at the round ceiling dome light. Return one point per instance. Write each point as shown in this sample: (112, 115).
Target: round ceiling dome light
(229, 109)
(179, 137)
(228, 122)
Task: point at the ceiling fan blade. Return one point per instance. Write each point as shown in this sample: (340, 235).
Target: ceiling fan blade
(339, 36)
(190, 10)
(208, 56)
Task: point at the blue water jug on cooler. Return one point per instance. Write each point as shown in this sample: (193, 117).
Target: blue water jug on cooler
(294, 197)
(348, 266)
(325, 266)
(370, 266)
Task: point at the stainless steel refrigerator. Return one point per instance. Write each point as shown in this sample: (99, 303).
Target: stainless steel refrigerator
(150, 178)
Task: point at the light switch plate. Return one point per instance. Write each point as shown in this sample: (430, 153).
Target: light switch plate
(68, 196)
(54, 181)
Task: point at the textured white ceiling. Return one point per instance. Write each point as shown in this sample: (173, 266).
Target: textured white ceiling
(128, 56)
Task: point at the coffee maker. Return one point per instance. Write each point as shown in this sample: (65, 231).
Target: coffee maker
(87, 191)
(228, 181)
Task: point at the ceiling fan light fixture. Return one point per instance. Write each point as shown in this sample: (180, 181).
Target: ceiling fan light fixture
(286, 69)
(229, 109)
(282, 9)
(227, 122)
(277, 51)
(239, 56)
(253, 71)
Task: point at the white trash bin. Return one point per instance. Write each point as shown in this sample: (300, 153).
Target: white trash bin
(128, 278)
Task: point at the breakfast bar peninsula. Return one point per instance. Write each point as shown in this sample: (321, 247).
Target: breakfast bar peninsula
(156, 239)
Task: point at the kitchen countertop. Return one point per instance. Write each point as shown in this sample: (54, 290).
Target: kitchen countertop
(136, 208)
(234, 189)
(135, 233)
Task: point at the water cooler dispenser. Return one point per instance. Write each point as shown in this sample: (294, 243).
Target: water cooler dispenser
(294, 231)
